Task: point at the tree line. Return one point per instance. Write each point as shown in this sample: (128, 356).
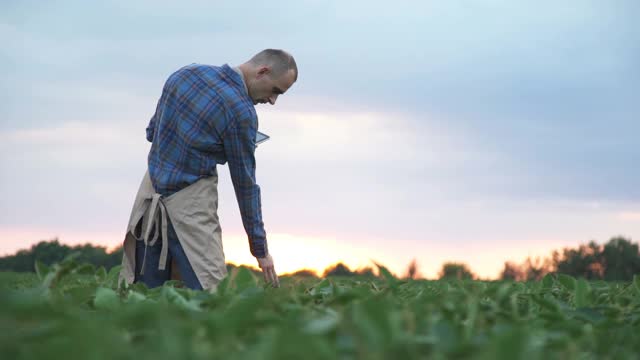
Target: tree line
(52, 251)
(616, 260)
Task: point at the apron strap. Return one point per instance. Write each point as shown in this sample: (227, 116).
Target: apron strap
(157, 219)
(165, 238)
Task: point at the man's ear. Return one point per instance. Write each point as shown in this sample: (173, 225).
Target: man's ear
(263, 70)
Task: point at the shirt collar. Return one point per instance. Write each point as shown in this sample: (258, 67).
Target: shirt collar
(244, 83)
(236, 75)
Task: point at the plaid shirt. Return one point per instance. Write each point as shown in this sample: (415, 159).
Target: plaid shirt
(205, 117)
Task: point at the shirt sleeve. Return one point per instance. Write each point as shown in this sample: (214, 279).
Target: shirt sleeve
(151, 129)
(239, 147)
(162, 103)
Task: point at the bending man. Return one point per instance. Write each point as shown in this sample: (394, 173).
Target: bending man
(205, 117)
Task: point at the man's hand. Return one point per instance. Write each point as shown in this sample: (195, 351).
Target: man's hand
(269, 272)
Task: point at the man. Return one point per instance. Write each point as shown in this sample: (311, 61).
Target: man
(205, 117)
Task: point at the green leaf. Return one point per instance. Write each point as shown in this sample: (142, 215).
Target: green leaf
(569, 282)
(636, 283)
(244, 279)
(81, 294)
(139, 287)
(503, 291)
(547, 281)
(222, 287)
(111, 279)
(174, 297)
(85, 269)
(322, 289)
(369, 319)
(510, 343)
(581, 294)
(135, 297)
(470, 322)
(50, 278)
(446, 335)
(106, 299)
(386, 275)
(41, 270)
(547, 303)
(101, 275)
(323, 324)
(241, 312)
(589, 314)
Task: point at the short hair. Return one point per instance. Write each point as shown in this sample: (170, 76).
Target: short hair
(279, 60)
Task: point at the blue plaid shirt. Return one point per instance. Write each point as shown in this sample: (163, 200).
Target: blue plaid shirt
(205, 117)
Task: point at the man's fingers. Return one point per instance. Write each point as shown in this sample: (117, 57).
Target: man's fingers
(269, 271)
(270, 276)
(267, 274)
(276, 281)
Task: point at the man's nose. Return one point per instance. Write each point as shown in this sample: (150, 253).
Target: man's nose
(272, 99)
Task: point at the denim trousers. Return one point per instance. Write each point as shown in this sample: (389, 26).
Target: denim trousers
(177, 261)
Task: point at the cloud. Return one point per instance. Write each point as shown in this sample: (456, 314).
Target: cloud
(75, 145)
(356, 137)
(629, 216)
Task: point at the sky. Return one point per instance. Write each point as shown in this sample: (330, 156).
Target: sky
(468, 131)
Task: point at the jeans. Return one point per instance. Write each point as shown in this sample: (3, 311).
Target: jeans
(153, 277)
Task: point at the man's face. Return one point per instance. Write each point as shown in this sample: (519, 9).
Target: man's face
(265, 88)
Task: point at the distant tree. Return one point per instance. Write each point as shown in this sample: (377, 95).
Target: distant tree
(536, 269)
(584, 261)
(412, 270)
(115, 257)
(49, 252)
(304, 273)
(513, 272)
(254, 270)
(365, 272)
(452, 270)
(338, 269)
(230, 267)
(530, 269)
(620, 259)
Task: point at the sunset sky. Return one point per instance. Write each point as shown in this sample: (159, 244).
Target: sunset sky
(470, 131)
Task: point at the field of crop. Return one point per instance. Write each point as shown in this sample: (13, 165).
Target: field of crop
(71, 311)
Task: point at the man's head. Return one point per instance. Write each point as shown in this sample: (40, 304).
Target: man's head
(268, 74)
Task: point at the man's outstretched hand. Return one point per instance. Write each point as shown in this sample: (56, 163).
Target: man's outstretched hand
(269, 272)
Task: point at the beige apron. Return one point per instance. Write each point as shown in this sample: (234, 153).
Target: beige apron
(193, 213)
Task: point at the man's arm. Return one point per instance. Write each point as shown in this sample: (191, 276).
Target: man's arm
(239, 147)
(151, 128)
